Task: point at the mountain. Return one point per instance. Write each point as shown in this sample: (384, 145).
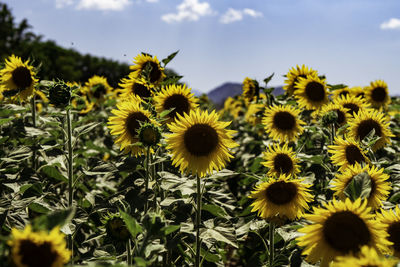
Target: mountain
(222, 92)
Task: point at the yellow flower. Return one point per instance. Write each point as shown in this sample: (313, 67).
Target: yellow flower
(342, 113)
(292, 77)
(380, 187)
(199, 142)
(347, 152)
(282, 197)
(357, 91)
(136, 86)
(311, 92)
(282, 123)
(31, 249)
(281, 160)
(341, 92)
(339, 229)
(352, 103)
(377, 94)
(97, 88)
(17, 78)
(254, 113)
(144, 62)
(250, 89)
(391, 222)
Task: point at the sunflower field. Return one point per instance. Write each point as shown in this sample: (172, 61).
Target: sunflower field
(147, 174)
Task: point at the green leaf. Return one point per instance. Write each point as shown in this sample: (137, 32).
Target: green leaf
(84, 129)
(215, 210)
(269, 78)
(39, 208)
(169, 58)
(170, 229)
(336, 86)
(4, 121)
(57, 218)
(133, 226)
(215, 235)
(359, 187)
(52, 172)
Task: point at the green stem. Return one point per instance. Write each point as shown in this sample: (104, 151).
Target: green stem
(70, 174)
(271, 243)
(198, 221)
(333, 133)
(128, 253)
(33, 106)
(146, 204)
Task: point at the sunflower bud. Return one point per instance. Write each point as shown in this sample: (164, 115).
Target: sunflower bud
(116, 228)
(153, 223)
(60, 94)
(149, 134)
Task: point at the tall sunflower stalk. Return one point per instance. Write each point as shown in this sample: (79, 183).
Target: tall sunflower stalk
(271, 242)
(198, 220)
(33, 107)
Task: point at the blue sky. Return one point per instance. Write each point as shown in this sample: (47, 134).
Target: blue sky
(350, 41)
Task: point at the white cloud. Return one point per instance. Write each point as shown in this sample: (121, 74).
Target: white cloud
(113, 5)
(391, 24)
(189, 10)
(233, 15)
(63, 3)
(152, 1)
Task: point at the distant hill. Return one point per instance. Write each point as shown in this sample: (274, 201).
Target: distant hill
(222, 92)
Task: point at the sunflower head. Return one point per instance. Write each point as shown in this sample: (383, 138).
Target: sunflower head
(341, 92)
(377, 94)
(339, 229)
(177, 98)
(29, 248)
(281, 197)
(17, 78)
(357, 91)
(352, 103)
(149, 68)
(282, 123)
(347, 152)
(250, 89)
(60, 94)
(137, 86)
(366, 121)
(116, 228)
(149, 134)
(292, 77)
(254, 113)
(334, 114)
(391, 222)
(281, 160)
(199, 142)
(312, 92)
(97, 88)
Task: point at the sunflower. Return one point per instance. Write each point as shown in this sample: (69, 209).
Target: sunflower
(311, 92)
(136, 86)
(250, 89)
(254, 113)
(238, 112)
(176, 97)
(32, 249)
(126, 122)
(367, 120)
(281, 160)
(342, 115)
(97, 88)
(347, 152)
(367, 257)
(341, 92)
(283, 123)
(200, 142)
(380, 187)
(145, 62)
(377, 94)
(292, 77)
(282, 197)
(352, 103)
(228, 103)
(357, 91)
(391, 221)
(340, 228)
(17, 78)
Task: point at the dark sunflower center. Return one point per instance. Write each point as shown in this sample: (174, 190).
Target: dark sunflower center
(201, 139)
(133, 121)
(36, 255)
(343, 93)
(367, 126)
(22, 78)
(353, 108)
(346, 232)
(394, 235)
(281, 193)
(99, 90)
(283, 120)
(315, 91)
(360, 94)
(341, 117)
(378, 94)
(283, 163)
(353, 155)
(179, 102)
(155, 73)
(141, 90)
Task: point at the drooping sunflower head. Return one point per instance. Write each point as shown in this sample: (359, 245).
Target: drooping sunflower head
(136, 86)
(357, 91)
(282, 123)
(379, 185)
(17, 78)
(390, 219)
(178, 97)
(281, 160)
(352, 103)
(367, 120)
(368, 257)
(342, 115)
(149, 68)
(199, 142)
(339, 229)
(377, 94)
(281, 197)
(292, 77)
(129, 115)
(347, 152)
(312, 92)
(32, 249)
(97, 88)
(250, 89)
(254, 113)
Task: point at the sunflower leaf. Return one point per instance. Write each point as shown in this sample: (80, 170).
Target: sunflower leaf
(359, 187)
(56, 218)
(169, 58)
(133, 226)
